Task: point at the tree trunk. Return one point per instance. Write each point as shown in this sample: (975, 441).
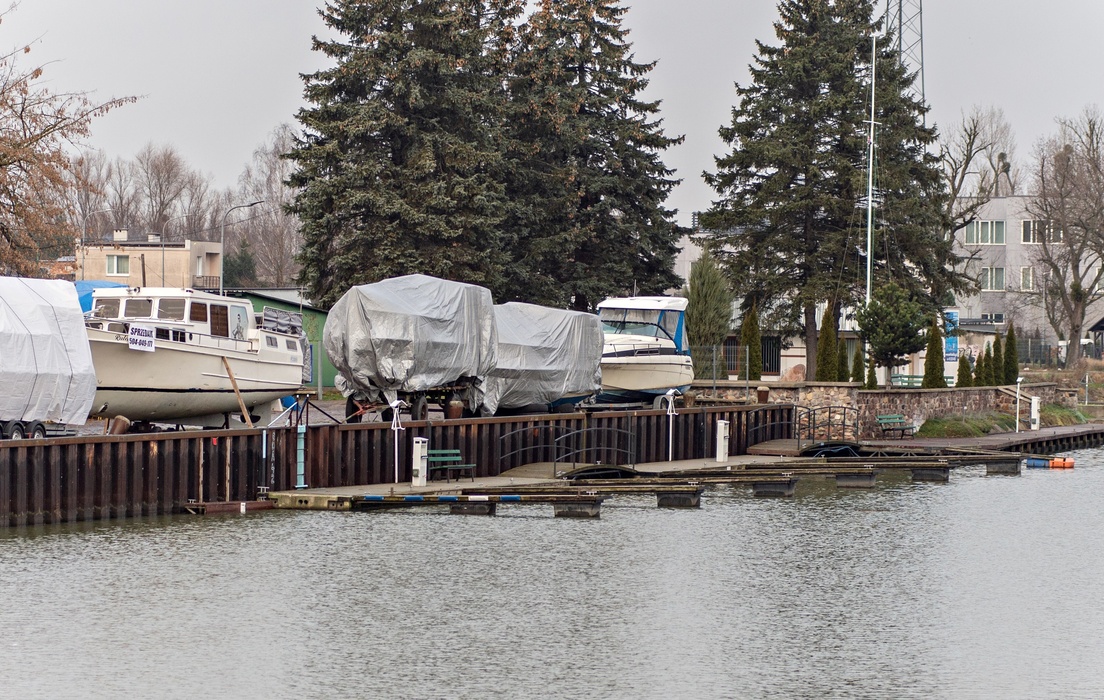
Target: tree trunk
(810, 341)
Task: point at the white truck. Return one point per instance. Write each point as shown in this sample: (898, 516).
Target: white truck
(45, 362)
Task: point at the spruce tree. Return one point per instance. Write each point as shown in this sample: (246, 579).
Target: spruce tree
(400, 166)
(858, 368)
(587, 184)
(964, 377)
(1011, 356)
(708, 317)
(843, 372)
(933, 360)
(826, 364)
(892, 323)
(784, 223)
(751, 339)
(998, 361)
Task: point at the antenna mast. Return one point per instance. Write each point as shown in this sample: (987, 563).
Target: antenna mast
(905, 18)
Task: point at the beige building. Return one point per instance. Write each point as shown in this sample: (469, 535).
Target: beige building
(150, 262)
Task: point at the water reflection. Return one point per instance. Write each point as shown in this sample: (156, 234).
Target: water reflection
(983, 587)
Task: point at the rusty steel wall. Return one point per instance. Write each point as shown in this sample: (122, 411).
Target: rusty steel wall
(100, 477)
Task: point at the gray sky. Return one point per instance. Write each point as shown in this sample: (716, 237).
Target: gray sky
(218, 75)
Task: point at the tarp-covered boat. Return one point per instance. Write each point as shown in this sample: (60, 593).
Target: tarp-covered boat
(545, 356)
(45, 362)
(413, 335)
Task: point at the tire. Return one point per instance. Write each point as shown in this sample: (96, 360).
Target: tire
(37, 431)
(15, 431)
(419, 407)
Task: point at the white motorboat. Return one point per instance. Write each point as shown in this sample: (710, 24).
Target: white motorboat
(645, 353)
(170, 355)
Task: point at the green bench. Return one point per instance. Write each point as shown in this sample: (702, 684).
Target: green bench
(449, 462)
(894, 423)
(913, 381)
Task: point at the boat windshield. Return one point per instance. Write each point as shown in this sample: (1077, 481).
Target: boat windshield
(649, 322)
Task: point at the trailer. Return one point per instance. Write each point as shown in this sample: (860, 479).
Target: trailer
(45, 361)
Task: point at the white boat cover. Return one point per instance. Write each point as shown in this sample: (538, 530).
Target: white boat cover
(45, 361)
(412, 334)
(544, 355)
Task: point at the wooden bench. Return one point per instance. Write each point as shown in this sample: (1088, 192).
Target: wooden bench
(894, 423)
(449, 462)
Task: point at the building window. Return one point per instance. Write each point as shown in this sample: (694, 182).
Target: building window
(992, 279)
(985, 233)
(118, 265)
(993, 317)
(769, 345)
(1038, 231)
(1027, 279)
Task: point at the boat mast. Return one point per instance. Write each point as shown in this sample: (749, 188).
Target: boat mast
(870, 174)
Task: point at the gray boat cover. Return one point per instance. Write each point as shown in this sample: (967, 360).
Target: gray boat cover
(45, 361)
(412, 334)
(544, 355)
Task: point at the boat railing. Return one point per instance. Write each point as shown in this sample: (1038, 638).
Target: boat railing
(173, 334)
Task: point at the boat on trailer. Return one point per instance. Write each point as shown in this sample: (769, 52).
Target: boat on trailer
(645, 354)
(169, 355)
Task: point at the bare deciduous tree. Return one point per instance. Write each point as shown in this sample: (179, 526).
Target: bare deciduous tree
(36, 128)
(1068, 204)
(977, 157)
(273, 234)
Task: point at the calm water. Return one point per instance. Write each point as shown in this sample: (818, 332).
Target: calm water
(987, 587)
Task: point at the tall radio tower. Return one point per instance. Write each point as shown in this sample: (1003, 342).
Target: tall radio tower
(905, 18)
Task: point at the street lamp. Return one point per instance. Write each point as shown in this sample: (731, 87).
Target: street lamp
(84, 234)
(1019, 381)
(222, 238)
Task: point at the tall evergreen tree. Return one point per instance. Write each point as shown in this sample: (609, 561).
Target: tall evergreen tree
(587, 183)
(964, 378)
(826, 366)
(752, 340)
(784, 225)
(933, 359)
(401, 164)
(871, 376)
(998, 361)
(983, 372)
(708, 317)
(843, 372)
(1011, 356)
(858, 369)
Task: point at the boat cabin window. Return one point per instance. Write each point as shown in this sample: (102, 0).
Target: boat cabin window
(652, 323)
(220, 321)
(198, 312)
(170, 309)
(138, 308)
(239, 322)
(106, 308)
(272, 342)
(291, 344)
